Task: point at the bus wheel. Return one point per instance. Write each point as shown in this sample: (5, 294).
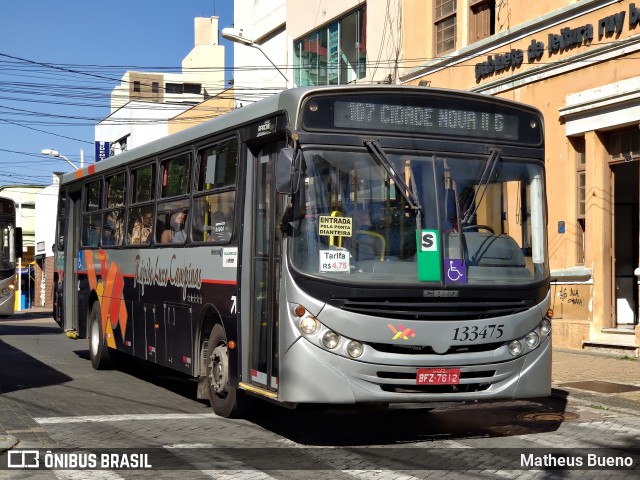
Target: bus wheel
(223, 397)
(98, 350)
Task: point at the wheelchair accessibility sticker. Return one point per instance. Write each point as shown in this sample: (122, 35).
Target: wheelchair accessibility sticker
(455, 271)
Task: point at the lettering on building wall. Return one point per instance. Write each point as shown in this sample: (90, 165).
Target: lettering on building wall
(560, 42)
(570, 38)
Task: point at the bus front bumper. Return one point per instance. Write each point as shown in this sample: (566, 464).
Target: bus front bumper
(311, 375)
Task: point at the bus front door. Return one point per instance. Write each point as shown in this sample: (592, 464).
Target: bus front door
(265, 271)
(68, 242)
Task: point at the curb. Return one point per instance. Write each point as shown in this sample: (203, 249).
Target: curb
(7, 442)
(590, 400)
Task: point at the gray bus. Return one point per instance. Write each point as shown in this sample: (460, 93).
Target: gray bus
(336, 245)
(10, 252)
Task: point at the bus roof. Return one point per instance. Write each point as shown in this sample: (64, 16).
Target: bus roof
(288, 100)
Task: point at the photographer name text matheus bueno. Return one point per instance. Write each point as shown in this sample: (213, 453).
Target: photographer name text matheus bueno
(569, 461)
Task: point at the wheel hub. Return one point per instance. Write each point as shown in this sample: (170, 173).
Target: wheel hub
(218, 369)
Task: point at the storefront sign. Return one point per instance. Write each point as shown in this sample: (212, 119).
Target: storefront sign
(566, 39)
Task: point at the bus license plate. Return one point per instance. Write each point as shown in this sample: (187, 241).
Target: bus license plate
(438, 376)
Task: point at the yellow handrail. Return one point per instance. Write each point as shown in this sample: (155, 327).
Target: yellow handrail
(379, 237)
(335, 213)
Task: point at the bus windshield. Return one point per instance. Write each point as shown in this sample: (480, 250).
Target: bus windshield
(483, 216)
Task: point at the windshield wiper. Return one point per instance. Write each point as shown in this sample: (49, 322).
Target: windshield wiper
(378, 154)
(485, 178)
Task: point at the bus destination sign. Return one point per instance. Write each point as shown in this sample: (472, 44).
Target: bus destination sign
(430, 114)
(425, 119)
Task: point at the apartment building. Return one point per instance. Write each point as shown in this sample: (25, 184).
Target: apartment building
(144, 103)
(577, 61)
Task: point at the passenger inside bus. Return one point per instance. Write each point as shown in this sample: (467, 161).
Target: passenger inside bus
(108, 230)
(141, 231)
(176, 233)
(92, 233)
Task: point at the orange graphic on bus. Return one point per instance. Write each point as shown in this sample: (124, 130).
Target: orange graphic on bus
(110, 293)
(401, 332)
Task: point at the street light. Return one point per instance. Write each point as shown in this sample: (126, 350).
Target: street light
(55, 153)
(235, 35)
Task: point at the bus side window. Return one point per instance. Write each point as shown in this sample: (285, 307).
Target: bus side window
(91, 230)
(213, 218)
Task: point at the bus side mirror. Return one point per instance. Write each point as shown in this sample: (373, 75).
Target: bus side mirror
(288, 170)
(18, 242)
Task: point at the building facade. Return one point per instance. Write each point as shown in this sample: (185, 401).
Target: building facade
(315, 42)
(577, 61)
(143, 104)
(46, 205)
(262, 22)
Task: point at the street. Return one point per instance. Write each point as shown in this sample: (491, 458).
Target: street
(51, 398)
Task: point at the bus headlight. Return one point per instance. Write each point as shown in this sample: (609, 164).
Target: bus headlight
(545, 326)
(12, 287)
(515, 348)
(5, 292)
(532, 340)
(308, 325)
(330, 339)
(355, 349)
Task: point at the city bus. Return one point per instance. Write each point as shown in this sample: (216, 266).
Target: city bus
(331, 245)
(10, 252)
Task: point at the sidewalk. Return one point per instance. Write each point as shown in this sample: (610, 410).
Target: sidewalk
(602, 381)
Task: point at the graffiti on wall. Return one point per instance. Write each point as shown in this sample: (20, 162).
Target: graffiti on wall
(570, 296)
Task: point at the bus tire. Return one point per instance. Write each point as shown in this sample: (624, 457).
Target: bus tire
(222, 396)
(98, 350)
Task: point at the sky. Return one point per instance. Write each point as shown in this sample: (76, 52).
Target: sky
(60, 60)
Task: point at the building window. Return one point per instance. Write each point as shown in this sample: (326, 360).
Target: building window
(136, 86)
(333, 55)
(581, 183)
(155, 87)
(625, 144)
(192, 88)
(119, 146)
(174, 88)
(445, 25)
(482, 19)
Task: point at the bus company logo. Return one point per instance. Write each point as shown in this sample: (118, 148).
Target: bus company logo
(401, 332)
(161, 273)
(23, 459)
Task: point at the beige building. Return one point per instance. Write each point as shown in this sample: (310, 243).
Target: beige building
(577, 61)
(144, 103)
(218, 105)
